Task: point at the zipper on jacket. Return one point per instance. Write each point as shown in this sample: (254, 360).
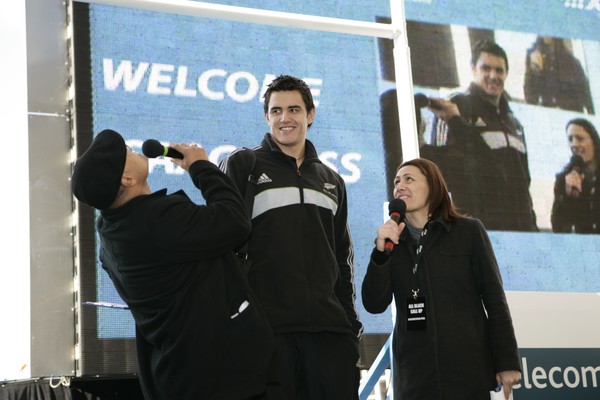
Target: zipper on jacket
(300, 186)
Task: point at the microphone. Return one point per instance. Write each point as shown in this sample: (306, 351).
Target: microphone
(422, 101)
(397, 208)
(576, 164)
(152, 148)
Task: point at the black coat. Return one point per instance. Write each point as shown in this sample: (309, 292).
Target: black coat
(462, 349)
(484, 160)
(561, 83)
(172, 262)
(577, 214)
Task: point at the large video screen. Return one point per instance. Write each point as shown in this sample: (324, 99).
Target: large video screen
(185, 79)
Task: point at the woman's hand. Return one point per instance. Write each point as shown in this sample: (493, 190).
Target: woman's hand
(390, 230)
(573, 183)
(508, 379)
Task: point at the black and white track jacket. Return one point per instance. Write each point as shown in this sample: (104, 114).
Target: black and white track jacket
(301, 250)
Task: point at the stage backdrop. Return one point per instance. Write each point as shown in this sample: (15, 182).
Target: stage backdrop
(183, 79)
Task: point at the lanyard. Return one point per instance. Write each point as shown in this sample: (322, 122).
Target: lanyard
(418, 254)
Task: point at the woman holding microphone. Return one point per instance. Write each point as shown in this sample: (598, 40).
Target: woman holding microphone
(453, 334)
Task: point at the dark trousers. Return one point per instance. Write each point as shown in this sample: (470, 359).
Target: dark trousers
(316, 366)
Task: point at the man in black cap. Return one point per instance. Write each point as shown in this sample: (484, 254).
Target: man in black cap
(199, 334)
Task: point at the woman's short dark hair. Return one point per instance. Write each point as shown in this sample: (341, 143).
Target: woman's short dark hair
(439, 199)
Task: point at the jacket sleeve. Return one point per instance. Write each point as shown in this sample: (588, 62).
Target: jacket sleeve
(377, 284)
(562, 207)
(458, 132)
(190, 230)
(346, 289)
(502, 336)
(533, 81)
(462, 132)
(581, 86)
(237, 167)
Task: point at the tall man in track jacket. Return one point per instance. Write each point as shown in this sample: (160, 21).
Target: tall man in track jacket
(301, 251)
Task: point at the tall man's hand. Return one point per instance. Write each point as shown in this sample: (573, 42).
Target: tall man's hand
(443, 109)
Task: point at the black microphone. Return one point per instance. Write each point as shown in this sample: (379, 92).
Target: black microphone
(422, 101)
(576, 164)
(152, 148)
(397, 208)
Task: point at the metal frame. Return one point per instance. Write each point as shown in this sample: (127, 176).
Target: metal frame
(395, 31)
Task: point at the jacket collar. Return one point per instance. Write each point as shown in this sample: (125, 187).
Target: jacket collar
(438, 220)
(435, 221)
(113, 214)
(310, 153)
(475, 91)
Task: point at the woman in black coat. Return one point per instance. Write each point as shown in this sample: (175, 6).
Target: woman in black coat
(576, 205)
(453, 335)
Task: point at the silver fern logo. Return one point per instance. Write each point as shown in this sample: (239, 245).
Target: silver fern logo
(329, 189)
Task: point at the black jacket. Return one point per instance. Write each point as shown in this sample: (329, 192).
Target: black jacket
(462, 349)
(486, 165)
(172, 262)
(302, 256)
(577, 214)
(561, 83)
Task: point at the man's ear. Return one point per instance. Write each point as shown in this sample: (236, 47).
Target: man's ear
(311, 115)
(127, 180)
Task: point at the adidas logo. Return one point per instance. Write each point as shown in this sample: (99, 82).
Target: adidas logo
(328, 186)
(480, 122)
(263, 179)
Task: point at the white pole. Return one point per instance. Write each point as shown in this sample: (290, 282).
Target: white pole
(251, 15)
(406, 107)
(404, 88)
(15, 269)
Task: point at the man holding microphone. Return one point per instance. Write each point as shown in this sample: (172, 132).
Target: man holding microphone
(199, 334)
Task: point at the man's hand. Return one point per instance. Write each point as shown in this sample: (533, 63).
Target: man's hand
(191, 154)
(443, 109)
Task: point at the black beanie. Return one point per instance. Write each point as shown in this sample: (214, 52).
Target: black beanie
(97, 173)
